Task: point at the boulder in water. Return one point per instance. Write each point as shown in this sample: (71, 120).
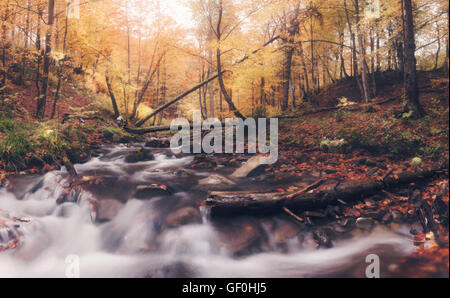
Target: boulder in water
(251, 168)
(323, 237)
(215, 182)
(138, 155)
(203, 161)
(365, 223)
(158, 143)
(285, 232)
(241, 237)
(151, 191)
(183, 216)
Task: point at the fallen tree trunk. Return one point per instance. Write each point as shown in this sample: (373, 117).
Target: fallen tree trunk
(241, 203)
(178, 98)
(142, 131)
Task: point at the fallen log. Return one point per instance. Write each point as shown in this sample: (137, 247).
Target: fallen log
(207, 81)
(242, 203)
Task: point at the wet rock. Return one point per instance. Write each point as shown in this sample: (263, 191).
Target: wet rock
(158, 143)
(151, 191)
(215, 182)
(138, 155)
(285, 232)
(204, 162)
(183, 216)
(242, 237)
(251, 168)
(397, 216)
(108, 209)
(125, 139)
(323, 237)
(183, 173)
(365, 223)
(10, 230)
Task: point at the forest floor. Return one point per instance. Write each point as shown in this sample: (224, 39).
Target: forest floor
(378, 141)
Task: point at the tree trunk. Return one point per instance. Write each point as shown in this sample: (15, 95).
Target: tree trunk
(362, 54)
(60, 66)
(226, 96)
(289, 51)
(239, 203)
(411, 92)
(354, 57)
(5, 46)
(436, 60)
(112, 96)
(42, 100)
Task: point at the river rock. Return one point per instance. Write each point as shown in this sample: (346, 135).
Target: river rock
(241, 237)
(397, 216)
(10, 230)
(285, 232)
(251, 168)
(323, 237)
(108, 209)
(183, 173)
(138, 155)
(183, 216)
(158, 143)
(215, 182)
(151, 191)
(202, 161)
(365, 223)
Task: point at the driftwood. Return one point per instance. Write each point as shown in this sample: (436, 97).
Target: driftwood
(240, 203)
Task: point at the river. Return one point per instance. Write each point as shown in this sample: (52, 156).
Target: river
(138, 240)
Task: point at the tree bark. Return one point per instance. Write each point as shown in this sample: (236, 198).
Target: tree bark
(112, 96)
(42, 100)
(226, 96)
(61, 65)
(411, 90)
(362, 54)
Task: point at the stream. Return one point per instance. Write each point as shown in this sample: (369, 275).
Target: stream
(170, 234)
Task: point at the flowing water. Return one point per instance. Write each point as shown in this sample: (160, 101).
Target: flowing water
(138, 243)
